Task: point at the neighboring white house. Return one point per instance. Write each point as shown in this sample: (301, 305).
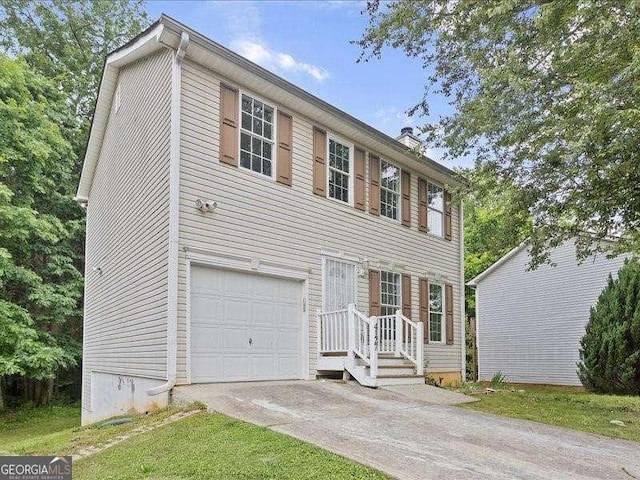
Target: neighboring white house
(232, 218)
(529, 323)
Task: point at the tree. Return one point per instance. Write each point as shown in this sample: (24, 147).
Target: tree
(546, 93)
(40, 288)
(610, 348)
(68, 42)
(495, 220)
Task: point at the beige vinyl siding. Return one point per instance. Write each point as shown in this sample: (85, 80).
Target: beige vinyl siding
(257, 217)
(127, 231)
(529, 323)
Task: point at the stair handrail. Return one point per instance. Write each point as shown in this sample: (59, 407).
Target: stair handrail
(409, 338)
(362, 339)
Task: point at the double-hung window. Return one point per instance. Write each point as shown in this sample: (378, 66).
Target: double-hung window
(436, 312)
(340, 170)
(390, 299)
(435, 212)
(257, 135)
(389, 190)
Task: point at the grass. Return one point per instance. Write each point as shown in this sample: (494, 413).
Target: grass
(203, 445)
(215, 446)
(563, 406)
(36, 430)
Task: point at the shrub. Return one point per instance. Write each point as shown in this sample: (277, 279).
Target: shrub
(610, 348)
(498, 380)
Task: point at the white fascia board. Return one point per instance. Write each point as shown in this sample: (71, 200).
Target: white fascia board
(474, 281)
(143, 46)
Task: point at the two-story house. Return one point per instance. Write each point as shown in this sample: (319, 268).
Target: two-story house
(241, 229)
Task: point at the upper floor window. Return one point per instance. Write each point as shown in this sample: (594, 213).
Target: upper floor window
(436, 310)
(389, 190)
(256, 136)
(435, 214)
(340, 170)
(389, 293)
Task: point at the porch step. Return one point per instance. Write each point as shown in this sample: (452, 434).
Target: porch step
(394, 370)
(382, 380)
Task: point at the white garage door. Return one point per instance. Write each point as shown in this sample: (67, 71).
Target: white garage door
(244, 326)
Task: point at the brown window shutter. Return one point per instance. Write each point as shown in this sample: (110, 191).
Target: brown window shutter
(406, 198)
(319, 162)
(422, 205)
(228, 125)
(374, 293)
(406, 295)
(358, 158)
(424, 306)
(284, 155)
(447, 215)
(374, 184)
(448, 303)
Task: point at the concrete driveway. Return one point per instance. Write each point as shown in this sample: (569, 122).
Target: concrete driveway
(408, 433)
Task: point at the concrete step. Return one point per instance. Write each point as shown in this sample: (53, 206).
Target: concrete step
(403, 369)
(399, 380)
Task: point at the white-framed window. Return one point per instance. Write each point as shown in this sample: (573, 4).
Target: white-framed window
(390, 293)
(257, 134)
(389, 190)
(435, 209)
(340, 167)
(339, 284)
(436, 312)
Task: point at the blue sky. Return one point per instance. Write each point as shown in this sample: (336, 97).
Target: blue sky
(308, 43)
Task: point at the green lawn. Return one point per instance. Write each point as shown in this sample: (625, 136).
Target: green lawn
(38, 430)
(565, 407)
(215, 446)
(198, 447)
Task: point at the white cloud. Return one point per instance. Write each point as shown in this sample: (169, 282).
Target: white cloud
(259, 53)
(392, 116)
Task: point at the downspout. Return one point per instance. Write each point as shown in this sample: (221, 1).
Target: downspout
(463, 346)
(174, 205)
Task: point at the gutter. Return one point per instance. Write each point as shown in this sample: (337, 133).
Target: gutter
(174, 199)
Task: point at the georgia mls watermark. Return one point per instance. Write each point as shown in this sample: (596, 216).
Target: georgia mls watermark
(35, 468)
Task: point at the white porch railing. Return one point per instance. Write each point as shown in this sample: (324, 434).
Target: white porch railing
(334, 335)
(357, 335)
(409, 341)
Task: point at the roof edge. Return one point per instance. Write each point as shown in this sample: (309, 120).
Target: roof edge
(474, 281)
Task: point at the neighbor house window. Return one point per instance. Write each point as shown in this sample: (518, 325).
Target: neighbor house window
(339, 170)
(256, 136)
(390, 300)
(435, 213)
(436, 309)
(389, 190)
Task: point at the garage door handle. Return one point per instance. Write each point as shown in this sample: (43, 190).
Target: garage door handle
(250, 341)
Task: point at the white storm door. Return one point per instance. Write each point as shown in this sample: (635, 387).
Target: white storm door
(340, 282)
(244, 326)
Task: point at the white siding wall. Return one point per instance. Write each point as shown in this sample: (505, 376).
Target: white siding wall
(256, 217)
(127, 232)
(530, 322)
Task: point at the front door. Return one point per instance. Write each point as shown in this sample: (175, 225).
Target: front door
(340, 281)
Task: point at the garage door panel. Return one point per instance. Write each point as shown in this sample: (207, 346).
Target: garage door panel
(287, 292)
(288, 342)
(234, 312)
(227, 309)
(288, 365)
